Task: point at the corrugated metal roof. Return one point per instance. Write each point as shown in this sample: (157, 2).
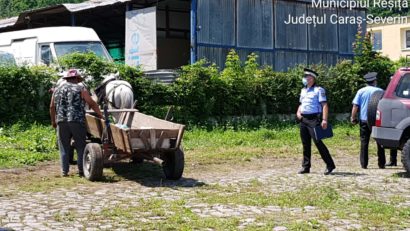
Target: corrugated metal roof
(77, 7)
(69, 7)
(8, 22)
(91, 4)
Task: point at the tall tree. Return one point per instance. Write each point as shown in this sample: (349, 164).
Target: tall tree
(9, 8)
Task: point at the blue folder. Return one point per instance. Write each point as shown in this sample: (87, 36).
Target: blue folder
(321, 133)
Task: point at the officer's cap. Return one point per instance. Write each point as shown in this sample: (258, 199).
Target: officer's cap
(310, 72)
(370, 77)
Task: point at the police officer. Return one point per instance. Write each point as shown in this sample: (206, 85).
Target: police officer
(68, 116)
(312, 112)
(393, 158)
(361, 102)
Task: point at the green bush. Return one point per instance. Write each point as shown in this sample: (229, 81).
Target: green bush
(366, 60)
(152, 98)
(195, 92)
(93, 65)
(25, 93)
(202, 91)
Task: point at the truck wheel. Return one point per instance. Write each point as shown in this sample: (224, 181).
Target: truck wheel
(173, 164)
(405, 156)
(93, 162)
(372, 108)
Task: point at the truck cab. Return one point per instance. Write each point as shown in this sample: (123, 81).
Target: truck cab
(44, 46)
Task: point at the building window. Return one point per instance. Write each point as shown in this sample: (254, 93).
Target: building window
(407, 38)
(377, 40)
(46, 54)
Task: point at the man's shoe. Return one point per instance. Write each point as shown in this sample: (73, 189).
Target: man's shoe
(64, 174)
(329, 170)
(381, 166)
(304, 171)
(391, 164)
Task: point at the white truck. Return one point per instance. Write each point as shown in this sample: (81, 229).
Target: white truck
(44, 46)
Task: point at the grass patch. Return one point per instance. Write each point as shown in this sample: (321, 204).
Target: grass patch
(377, 213)
(229, 146)
(45, 184)
(257, 195)
(29, 144)
(370, 212)
(161, 214)
(68, 216)
(311, 224)
(26, 144)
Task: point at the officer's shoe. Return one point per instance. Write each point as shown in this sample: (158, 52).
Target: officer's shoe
(328, 171)
(391, 164)
(381, 166)
(304, 171)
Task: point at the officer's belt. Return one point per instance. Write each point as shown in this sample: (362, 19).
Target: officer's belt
(311, 116)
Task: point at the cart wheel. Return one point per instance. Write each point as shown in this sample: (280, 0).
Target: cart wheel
(173, 164)
(93, 162)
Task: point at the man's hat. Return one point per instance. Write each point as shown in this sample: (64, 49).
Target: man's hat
(310, 72)
(72, 73)
(370, 77)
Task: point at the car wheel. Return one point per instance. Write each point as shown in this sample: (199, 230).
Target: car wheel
(372, 108)
(405, 156)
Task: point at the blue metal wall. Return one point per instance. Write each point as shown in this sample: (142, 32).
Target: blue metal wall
(258, 26)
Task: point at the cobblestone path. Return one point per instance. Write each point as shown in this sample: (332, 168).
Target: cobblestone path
(128, 203)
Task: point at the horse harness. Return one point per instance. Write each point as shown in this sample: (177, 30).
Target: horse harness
(100, 91)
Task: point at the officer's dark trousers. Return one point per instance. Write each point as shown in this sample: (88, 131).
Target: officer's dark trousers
(306, 135)
(365, 133)
(393, 156)
(66, 131)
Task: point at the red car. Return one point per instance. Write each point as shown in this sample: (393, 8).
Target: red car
(392, 118)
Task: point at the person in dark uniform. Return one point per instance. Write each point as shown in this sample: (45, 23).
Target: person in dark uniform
(361, 102)
(312, 112)
(393, 158)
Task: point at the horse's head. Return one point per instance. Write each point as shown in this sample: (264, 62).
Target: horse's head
(111, 76)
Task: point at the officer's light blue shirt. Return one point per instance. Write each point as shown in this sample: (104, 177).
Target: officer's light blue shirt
(311, 100)
(362, 99)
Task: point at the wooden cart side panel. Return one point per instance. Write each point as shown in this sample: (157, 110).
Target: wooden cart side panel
(140, 120)
(95, 126)
(147, 139)
(180, 134)
(118, 138)
(127, 140)
(165, 133)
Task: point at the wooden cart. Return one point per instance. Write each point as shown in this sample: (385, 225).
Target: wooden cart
(135, 136)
